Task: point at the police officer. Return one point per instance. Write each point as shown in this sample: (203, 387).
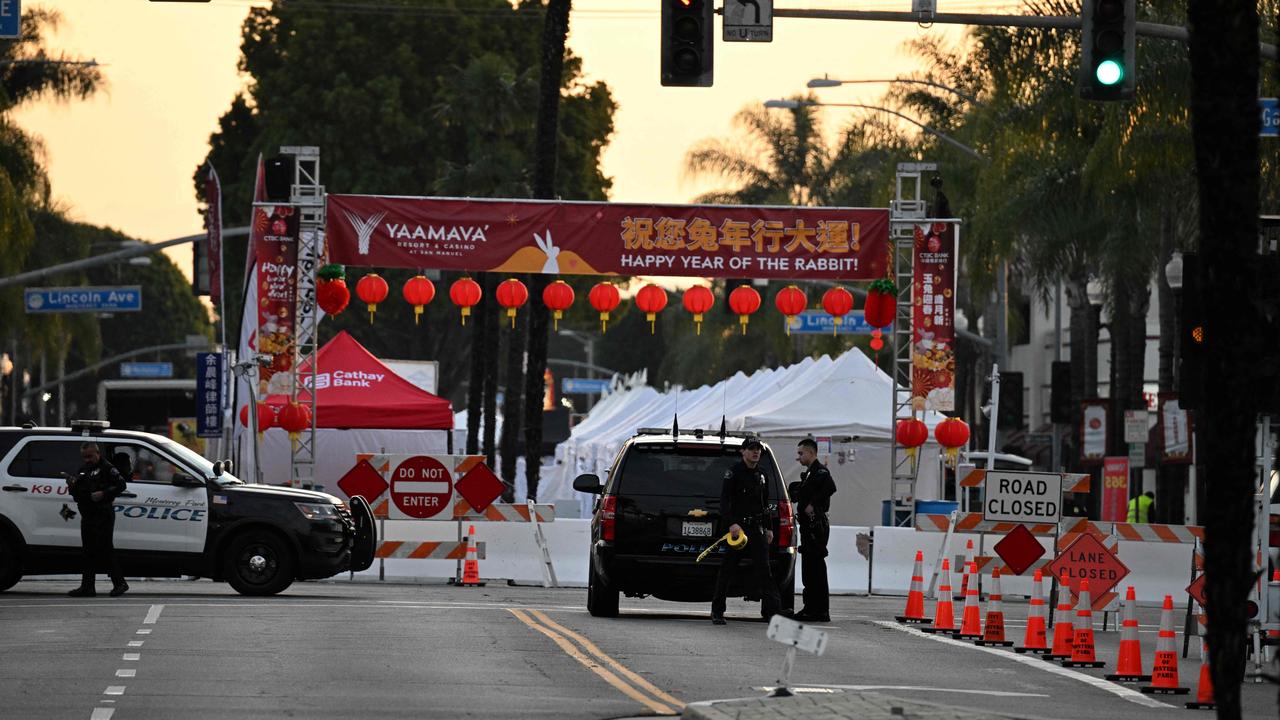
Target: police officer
(744, 508)
(94, 487)
(812, 496)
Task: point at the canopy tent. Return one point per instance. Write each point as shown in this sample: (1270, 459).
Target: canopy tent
(361, 406)
(846, 399)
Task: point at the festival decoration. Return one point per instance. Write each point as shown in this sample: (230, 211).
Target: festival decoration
(372, 289)
(744, 300)
(294, 418)
(266, 417)
(558, 297)
(465, 293)
(511, 294)
(698, 300)
(418, 291)
(651, 299)
(952, 434)
(911, 433)
(837, 302)
(332, 293)
(790, 301)
(882, 303)
(604, 297)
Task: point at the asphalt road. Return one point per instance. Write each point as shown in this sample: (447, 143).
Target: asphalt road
(336, 650)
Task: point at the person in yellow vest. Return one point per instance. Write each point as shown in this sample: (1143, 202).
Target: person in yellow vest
(1140, 507)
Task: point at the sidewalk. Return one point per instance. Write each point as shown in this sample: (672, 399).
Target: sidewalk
(842, 705)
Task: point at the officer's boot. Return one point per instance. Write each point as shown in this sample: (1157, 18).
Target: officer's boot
(86, 588)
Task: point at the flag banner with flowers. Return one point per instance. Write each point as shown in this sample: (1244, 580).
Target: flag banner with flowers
(933, 300)
(593, 238)
(275, 241)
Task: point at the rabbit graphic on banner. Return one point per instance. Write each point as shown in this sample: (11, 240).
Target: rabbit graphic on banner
(552, 266)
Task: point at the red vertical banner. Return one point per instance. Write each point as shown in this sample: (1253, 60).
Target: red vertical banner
(275, 230)
(933, 301)
(1115, 489)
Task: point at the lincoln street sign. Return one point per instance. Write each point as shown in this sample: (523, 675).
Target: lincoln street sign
(120, 298)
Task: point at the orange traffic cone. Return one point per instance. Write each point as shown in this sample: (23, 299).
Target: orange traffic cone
(1204, 691)
(964, 579)
(944, 618)
(993, 633)
(471, 566)
(1063, 630)
(971, 623)
(1164, 675)
(1082, 654)
(1034, 639)
(915, 597)
(1129, 661)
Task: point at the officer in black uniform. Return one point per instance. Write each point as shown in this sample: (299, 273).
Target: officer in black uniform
(744, 508)
(94, 487)
(812, 496)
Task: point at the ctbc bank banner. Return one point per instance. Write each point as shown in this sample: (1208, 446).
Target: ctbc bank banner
(591, 238)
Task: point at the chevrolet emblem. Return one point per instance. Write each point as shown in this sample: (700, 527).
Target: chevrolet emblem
(697, 513)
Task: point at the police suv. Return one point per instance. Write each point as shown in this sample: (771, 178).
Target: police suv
(180, 515)
(659, 509)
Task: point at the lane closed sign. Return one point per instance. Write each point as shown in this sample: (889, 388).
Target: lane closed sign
(1023, 497)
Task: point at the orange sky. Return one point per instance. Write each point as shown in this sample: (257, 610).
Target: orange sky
(125, 158)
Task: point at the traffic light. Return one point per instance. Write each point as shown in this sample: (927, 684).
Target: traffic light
(687, 43)
(1011, 389)
(1107, 66)
(1060, 408)
(1191, 336)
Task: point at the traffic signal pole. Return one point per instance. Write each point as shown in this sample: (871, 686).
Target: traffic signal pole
(1059, 22)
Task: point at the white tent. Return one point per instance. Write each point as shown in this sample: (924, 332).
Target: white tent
(844, 402)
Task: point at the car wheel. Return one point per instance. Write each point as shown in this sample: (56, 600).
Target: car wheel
(10, 563)
(259, 563)
(602, 600)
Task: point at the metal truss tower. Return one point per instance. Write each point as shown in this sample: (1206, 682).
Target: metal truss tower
(307, 196)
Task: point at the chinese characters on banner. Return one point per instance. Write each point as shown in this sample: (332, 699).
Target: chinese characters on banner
(1115, 489)
(933, 301)
(1175, 430)
(209, 386)
(1093, 436)
(275, 236)
(589, 238)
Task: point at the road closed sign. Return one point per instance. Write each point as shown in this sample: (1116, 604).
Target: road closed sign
(1023, 497)
(421, 488)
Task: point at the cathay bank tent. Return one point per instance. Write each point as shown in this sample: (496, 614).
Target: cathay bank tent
(361, 406)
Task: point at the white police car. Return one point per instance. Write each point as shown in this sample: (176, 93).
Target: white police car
(181, 515)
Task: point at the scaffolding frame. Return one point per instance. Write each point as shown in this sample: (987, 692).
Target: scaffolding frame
(307, 196)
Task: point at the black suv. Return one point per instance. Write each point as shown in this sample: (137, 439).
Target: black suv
(660, 508)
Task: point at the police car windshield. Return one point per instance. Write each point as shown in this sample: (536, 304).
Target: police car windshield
(687, 470)
(200, 462)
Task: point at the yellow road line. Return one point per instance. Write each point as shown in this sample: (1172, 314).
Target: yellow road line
(604, 673)
(622, 669)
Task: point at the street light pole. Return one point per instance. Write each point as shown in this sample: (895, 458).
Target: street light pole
(793, 104)
(826, 82)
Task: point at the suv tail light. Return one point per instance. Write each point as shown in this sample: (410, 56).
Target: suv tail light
(786, 524)
(608, 517)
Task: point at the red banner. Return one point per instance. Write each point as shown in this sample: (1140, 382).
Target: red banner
(933, 315)
(275, 237)
(590, 238)
(1115, 489)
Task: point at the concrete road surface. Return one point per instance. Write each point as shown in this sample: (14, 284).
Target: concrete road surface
(194, 649)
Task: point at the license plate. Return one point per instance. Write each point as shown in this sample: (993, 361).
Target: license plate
(696, 529)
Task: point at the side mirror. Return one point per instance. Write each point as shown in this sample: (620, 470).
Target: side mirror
(186, 481)
(217, 469)
(588, 483)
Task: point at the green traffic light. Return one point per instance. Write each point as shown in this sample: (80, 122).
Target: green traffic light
(1109, 72)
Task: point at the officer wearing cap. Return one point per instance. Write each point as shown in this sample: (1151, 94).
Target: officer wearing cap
(94, 487)
(812, 496)
(744, 506)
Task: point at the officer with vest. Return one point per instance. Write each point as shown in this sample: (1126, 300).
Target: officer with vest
(94, 487)
(812, 496)
(1140, 507)
(744, 509)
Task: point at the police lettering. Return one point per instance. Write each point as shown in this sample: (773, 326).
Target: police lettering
(160, 513)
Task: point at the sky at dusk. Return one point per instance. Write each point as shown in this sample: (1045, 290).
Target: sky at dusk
(125, 158)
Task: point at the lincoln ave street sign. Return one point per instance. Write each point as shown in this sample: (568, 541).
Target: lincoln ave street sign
(1023, 497)
(124, 298)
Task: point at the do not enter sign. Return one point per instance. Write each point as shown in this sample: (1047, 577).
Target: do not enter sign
(421, 488)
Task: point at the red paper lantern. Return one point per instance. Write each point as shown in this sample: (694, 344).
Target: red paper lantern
(511, 294)
(266, 416)
(882, 303)
(372, 289)
(558, 297)
(744, 300)
(790, 301)
(604, 298)
(837, 302)
(876, 341)
(698, 300)
(911, 434)
(465, 293)
(332, 296)
(294, 418)
(418, 291)
(952, 434)
(651, 299)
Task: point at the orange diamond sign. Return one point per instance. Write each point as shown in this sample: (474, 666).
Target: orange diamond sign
(1086, 558)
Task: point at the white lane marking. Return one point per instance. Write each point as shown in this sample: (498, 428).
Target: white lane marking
(102, 713)
(993, 693)
(114, 690)
(132, 656)
(126, 672)
(153, 614)
(1034, 661)
(136, 643)
(144, 632)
